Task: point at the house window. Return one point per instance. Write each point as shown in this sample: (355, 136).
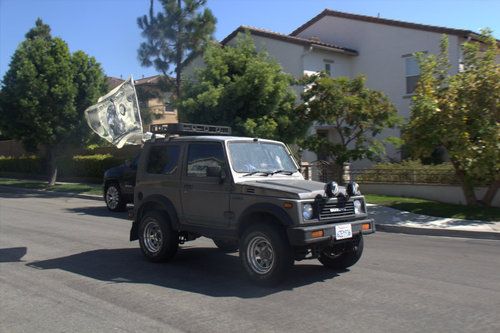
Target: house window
(412, 73)
(328, 67)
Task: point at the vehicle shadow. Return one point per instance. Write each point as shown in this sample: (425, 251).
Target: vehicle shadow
(13, 254)
(17, 192)
(98, 210)
(205, 271)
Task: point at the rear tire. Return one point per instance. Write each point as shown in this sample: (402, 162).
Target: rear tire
(114, 198)
(159, 242)
(226, 246)
(266, 254)
(346, 259)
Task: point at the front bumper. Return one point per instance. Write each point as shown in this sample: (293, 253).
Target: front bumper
(303, 235)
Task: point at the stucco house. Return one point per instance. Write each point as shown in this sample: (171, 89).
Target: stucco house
(344, 44)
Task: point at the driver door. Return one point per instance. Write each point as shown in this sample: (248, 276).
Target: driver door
(205, 199)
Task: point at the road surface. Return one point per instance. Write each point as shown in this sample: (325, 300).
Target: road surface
(66, 265)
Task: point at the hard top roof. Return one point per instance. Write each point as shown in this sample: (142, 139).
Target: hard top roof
(218, 138)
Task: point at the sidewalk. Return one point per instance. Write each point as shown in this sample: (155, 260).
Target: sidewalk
(393, 220)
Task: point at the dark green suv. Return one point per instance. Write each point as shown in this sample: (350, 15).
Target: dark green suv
(246, 194)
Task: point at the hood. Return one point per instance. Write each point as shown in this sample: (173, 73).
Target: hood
(289, 188)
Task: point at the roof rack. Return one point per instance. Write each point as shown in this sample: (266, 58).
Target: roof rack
(189, 129)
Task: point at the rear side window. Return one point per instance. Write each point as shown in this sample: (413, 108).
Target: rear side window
(163, 160)
(204, 156)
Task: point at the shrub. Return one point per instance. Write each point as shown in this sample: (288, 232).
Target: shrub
(410, 171)
(84, 166)
(87, 166)
(25, 164)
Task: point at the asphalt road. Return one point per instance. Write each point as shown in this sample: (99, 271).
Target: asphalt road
(66, 265)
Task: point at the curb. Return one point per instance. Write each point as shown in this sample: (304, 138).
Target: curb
(53, 193)
(438, 232)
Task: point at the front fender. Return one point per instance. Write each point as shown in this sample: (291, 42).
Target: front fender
(265, 208)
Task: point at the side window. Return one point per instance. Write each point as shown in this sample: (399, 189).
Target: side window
(412, 73)
(163, 159)
(203, 158)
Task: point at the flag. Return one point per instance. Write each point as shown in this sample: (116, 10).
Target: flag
(116, 117)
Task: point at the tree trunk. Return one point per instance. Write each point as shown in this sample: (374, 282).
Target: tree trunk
(467, 188)
(490, 193)
(470, 195)
(52, 166)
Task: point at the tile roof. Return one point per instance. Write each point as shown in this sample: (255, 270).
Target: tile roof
(289, 39)
(113, 82)
(373, 19)
(150, 80)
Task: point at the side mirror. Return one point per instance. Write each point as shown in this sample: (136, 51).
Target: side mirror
(214, 171)
(223, 176)
(218, 172)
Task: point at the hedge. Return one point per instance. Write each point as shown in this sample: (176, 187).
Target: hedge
(84, 166)
(407, 172)
(26, 164)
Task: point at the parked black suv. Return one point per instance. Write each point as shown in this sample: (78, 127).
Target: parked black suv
(119, 185)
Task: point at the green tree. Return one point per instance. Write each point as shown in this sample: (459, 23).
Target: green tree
(44, 93)
(357, 114)
(90, 82)
(181, 31)
(461, 113)
(245, 89)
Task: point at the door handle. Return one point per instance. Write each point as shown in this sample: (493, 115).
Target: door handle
(187, 187)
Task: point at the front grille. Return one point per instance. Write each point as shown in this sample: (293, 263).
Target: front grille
(334, 210)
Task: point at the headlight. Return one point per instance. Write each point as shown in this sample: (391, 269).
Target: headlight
(359, 207)
(307, 211)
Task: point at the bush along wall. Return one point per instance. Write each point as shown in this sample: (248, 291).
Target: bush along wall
(79, 166)
(25, 164)
(87, 166)
(407, 172)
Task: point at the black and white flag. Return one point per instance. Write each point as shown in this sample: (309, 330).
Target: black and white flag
(116, 117)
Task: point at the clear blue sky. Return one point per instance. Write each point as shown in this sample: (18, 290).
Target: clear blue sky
(107, 29)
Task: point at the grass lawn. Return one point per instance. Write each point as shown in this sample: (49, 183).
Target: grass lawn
(434, 208)
(59, 187)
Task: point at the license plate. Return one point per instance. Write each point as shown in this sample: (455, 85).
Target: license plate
(343, 231)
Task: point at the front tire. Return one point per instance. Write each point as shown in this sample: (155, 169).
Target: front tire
(114, 198)
(158, 241)
(349, 256)
(265, 254)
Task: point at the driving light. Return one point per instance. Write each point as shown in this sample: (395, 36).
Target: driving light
(332, 189)
(358, 207)
(352, 189)
(307, 211)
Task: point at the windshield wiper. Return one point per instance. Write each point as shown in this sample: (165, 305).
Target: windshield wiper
(264, 173)
(286, 172)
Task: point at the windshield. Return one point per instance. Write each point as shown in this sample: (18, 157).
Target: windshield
(258, 156)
